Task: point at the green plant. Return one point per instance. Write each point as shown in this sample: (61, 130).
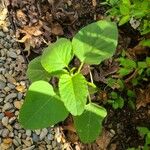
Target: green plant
(145, 132)
(116, 100)
(137, 12)
(45, 106)
(140, 70)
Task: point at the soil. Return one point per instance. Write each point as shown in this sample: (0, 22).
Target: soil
(63, 18)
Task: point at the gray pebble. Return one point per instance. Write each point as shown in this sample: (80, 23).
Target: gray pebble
(1, 116)
(2, 78)
(10, 96)
(2, 85)
(17, 126)
(35, 137)
(5, 121)
(54, 144)
(12, 54)
(28, 133)
(2, 34)
(19, 96)
(43, 133)
(12, 120)
(7, 106)
(5, 133)
(12, 86)
(50, 137)
(29, 148)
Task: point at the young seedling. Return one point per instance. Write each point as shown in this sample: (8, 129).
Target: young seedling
(145, 132)
(45, 106)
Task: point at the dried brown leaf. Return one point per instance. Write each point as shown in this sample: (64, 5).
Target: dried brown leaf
(143, 97)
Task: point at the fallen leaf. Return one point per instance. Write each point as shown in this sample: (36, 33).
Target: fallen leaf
(9, 114)
(7, 141)
(104, 139)
(143, 97)
(57, 29)
(21, 88)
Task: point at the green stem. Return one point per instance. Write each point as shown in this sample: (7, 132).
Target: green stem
(80, 67)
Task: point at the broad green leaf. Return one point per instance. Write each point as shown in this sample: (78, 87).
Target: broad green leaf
(124, 10)
(57, 55)
(41, 108)
(127, 63)
(124, 20)
(36, 72)
(73, 92)
(123, 71)
(142, 65)
(89, 124)
(143, 130)
(95, 42)
(145, 42)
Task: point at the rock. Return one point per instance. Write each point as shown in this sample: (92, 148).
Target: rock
(43, 133)
(54, 144)
(26, 142)
(35, 137)
(2, 34)
(50, 137)
(38, 132)
(18, 104)
(2, 78)
(12, 120)
(2, 85)
(11, 86)
(10, 96)
(7, 106)
(5, 121)
(29, 148)
(1, 116)
(28, 133)
(5, 133)
(10, 78)
(12, 54)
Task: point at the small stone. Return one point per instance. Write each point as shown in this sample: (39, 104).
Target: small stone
(1, 116)
(11, 86)
(12, 54)
(5, 133)
(15, 142)
(26, 142)
(43, 133)
(10, 96)
(28, 133)
(29, 148)
(17, 126)
(2, 85)
(10, 78)
(5, 121)
(54, 144)
(7, 106)
(35, 137)
(7, 141)
(2, 34)
(50, 137)
(19, 96)
(2, 78)
(11, 120)
(38, 132)
(18, 104)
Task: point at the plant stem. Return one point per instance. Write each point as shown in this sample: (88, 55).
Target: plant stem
(91, 77)
(80, 67)
(89, 98)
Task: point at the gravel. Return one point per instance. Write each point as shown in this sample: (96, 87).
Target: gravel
(12, 78)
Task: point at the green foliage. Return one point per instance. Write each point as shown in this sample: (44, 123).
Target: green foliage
(133, 11)
(57, 56)
(73, 91)
(95, 42)
(116, 101)
(128, 66)
(145, 132)
(43, 107)
(89, 124)
(36, 72)
(37, 111)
